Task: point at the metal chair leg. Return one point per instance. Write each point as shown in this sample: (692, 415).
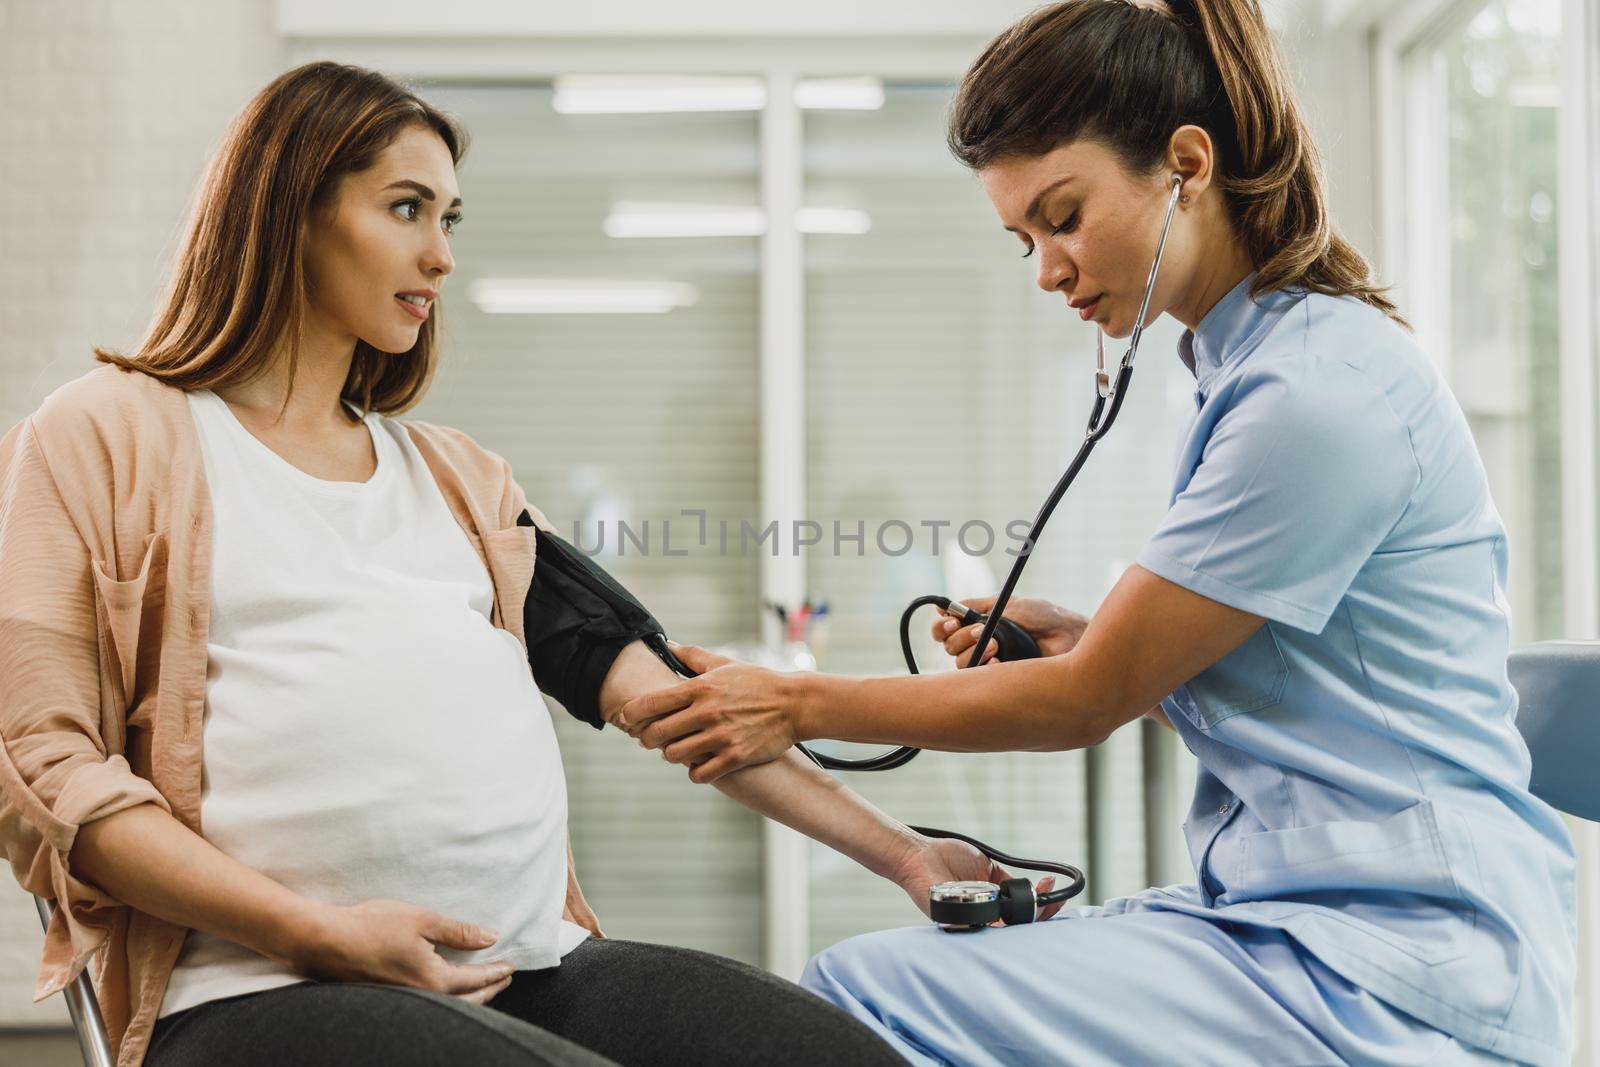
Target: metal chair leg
(83, 1006)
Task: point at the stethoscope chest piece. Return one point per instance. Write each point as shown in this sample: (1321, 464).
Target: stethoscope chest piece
(958, 906)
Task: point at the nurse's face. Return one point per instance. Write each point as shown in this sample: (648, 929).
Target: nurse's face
(385, 231)
(1092, 228)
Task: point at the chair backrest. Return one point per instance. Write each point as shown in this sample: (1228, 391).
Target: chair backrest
(1559, 716)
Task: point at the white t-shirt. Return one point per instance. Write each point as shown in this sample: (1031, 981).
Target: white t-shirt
(368, 733)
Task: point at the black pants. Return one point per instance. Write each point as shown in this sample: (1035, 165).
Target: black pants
(610, 1002)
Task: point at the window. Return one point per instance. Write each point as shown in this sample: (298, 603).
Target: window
(1485, 89)
(1500, 256)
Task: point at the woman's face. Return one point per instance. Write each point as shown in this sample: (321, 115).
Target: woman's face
(384, 233)
(1092, 229)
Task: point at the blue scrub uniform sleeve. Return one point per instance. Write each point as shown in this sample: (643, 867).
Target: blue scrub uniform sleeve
(1300, 481)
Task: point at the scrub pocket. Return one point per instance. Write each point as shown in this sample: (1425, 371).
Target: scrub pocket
(1394, 868)
(1249, 678)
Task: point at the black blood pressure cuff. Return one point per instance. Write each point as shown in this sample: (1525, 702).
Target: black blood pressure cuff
(577, 620)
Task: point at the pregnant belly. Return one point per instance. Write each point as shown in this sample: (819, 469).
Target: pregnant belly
(432, 779)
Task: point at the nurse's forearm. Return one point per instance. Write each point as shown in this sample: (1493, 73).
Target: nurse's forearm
(1038, 705)
(791, 789)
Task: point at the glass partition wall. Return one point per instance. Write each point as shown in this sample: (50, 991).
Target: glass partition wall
(616, 412)
(605, 338)
(945, 394)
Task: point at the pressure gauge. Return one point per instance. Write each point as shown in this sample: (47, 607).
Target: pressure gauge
(958, 906)
(964, 905)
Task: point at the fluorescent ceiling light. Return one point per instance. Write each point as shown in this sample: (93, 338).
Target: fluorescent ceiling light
(604, 94)
(839, 94)
(636, 94)
(629, 218)
(559, 296)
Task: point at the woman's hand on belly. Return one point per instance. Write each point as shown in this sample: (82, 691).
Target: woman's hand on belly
(576, 909)
(391, 942)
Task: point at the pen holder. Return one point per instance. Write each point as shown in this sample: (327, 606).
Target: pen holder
(819, 641)
(788, 656)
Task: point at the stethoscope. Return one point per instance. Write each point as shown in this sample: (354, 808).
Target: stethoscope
(973, 905)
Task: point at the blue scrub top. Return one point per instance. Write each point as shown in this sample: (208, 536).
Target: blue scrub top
(1362, 783)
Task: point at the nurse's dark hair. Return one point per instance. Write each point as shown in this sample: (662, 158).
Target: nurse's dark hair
(237, 295)
(1127, 75)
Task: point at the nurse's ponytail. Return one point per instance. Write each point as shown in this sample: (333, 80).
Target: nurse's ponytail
(1129, 74)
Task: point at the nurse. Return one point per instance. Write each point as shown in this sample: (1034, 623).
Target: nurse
(1321, 617)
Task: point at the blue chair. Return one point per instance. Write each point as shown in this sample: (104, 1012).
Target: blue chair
(1559, 716)
(1558, 683)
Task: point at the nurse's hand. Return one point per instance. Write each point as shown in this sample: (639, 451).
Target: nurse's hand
(944, 860)
(1054, 629)
(733, 715)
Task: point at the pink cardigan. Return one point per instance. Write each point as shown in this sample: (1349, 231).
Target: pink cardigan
(105, 552)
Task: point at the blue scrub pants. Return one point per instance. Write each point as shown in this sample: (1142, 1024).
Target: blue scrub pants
(1141, 987)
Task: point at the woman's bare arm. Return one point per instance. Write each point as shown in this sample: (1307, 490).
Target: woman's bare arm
(1148, 637)
(147, 859)
(792, 790)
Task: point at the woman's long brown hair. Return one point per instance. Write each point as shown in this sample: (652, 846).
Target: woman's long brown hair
(1127, 75)
(237, 296)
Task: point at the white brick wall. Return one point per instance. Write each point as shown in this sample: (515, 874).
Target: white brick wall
(108, 111)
